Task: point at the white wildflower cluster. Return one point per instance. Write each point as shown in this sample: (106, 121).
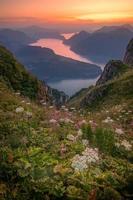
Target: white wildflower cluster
(125, 144)
(81, 162)
(71, 137)
(29, 114)
(28, 103)
(85, 142)
(119, 131)
(19, 109)
(53, 121)
(80, 133)
(108, 120)
(66, 120)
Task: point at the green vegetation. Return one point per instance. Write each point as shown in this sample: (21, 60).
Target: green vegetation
(114, 92)
(17, 78)
(53, 154)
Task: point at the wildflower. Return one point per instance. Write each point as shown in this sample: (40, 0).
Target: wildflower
(83, 122)
(23, 101)
(17, 93)
(63, 107)
(19, 109)
(85, 142)
(80, 132)
(126, 144)
(117, 144)
(29, 114)
(44, 103)
(53, 121)
(71, 137)
(80, 162)
(51, 107)
(108, 120)
(28, 103)
(119, 131)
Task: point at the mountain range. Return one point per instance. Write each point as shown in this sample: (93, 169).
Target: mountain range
(102, 45)
(43, 62)
(38, 32)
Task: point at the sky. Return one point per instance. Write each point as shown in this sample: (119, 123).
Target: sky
(68, 11)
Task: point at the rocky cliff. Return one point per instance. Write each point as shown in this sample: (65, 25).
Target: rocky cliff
(113, 87)
(128, 58)
(113, 69)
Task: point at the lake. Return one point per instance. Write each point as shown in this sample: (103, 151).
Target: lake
(68, 86)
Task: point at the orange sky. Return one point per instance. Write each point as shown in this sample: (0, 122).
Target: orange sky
(70, 10)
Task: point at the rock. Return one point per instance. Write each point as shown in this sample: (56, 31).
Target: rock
(128, 58)
(112, 69)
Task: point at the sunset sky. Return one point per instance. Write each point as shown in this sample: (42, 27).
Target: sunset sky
(69, 11)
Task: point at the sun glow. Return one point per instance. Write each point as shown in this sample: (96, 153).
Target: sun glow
(68, 10)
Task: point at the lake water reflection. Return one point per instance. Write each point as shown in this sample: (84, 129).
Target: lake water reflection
(68, 86)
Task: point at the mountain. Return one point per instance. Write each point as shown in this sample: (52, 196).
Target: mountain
(48, 66)
(43, 62)
(106, 29)
(78, 37)
(128, 58)
(13, 39)
(114, 86)
(38, 32)
(101, 45)
(113, 69)
(17, 78)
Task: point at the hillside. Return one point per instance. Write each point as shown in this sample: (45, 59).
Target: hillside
(17, 78)
(13, 39)
(48, 66)
(114, 87)
(53, 154)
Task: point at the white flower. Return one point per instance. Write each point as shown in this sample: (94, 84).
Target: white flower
(66, 109)
(117, 144)
(81, 162)
(19, 109)
(28, 103)
(29, 114)
(108, 120)
(71, 137)
(66, 120)
(85, 142)
(80, 132)
(126, 144)
(63, 107)
(51, 107)
(53, 121)
(119, 131)
(17, 93)
(44, 103)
